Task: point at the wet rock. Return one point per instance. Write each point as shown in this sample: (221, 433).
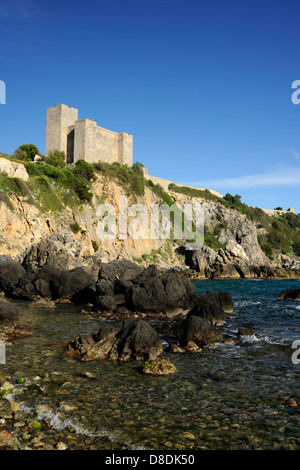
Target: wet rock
(230, 341)
(87, 375)
(292, 403)
(248, 332)
(61, 446)
(155, 292)
(175, 348)
(123, 340)
(213, 307)
(5, 409)
(198, 330)
(192, 347)
(2, 379)
(7, 440)
(159, 367)
(290, 294)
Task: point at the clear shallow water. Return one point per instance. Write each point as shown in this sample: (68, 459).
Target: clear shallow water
(227, 397)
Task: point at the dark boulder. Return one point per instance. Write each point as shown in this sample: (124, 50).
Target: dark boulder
(289, 294)
(33, 286)
(47, 273)
(212, 306)
(68, 284)
(197, 330)
(24, 288)
(10, 273)
(122, 340)
(42, 288)
(109, 302)
(110, 272)
(138, 341)
(156, 292)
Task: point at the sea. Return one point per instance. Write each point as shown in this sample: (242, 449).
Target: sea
(242, 395)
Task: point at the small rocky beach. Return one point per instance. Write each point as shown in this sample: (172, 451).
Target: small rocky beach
(122, 357)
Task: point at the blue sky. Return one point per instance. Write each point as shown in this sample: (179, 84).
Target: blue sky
(204, 86)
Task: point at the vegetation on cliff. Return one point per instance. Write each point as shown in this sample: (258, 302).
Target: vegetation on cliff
(277, 233)
(52, 186)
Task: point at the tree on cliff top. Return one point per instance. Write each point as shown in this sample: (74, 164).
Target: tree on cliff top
(26, 152)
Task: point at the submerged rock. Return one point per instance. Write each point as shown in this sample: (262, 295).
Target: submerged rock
(9, 313)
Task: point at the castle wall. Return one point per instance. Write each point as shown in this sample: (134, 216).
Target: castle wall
(59, 119)
(162, 182)
(278, 212)
(94, 143)
(125, 149)
(83, 139)
(165, 183)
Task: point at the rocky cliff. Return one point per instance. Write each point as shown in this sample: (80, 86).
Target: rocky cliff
(232, 248)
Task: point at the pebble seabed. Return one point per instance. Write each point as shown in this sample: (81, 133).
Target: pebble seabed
(229, 396)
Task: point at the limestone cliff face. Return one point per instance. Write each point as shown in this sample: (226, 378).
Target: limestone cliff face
(26, 225)
(233, 229)
(23, 225)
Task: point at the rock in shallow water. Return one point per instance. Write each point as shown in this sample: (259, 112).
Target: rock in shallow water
(159, 367)
(122, 340)
(213, 307)
(9, 313)
(197, 330)
(289, 294)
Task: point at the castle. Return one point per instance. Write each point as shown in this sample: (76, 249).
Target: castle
(84, 140)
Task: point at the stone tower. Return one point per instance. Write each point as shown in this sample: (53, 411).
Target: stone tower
(60, 130)
(84, 140)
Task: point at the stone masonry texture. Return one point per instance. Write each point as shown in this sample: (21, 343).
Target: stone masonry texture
(84, 140)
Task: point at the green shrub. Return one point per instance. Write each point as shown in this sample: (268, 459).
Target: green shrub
(131, 179)
(84, 169)
(75, 227)
(211, 241)
(235, 200)
(6, 200)
(95, 246)
(26, 152)
(296, 248)
(66, 176)
(56, 158)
